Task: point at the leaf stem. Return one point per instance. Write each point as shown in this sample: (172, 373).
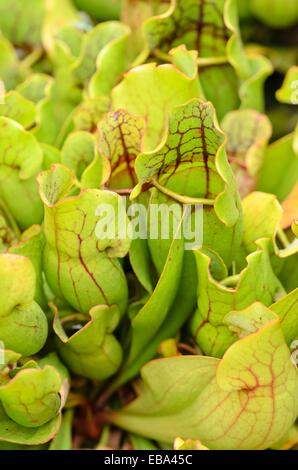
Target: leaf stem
(207, 61)
(180, 198)
(32, 58)
(163, 56)
(283, 238)
(104, 438)
(201, 61)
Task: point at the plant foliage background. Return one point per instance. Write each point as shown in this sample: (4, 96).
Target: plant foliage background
(163, 101)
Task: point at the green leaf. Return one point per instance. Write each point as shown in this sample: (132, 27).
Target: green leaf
(9, 231)
(256, 206)
(210, 77)
(212, 29)
(280, 169)
(31, 245)
(20, 109)
(139, 254)
(88, 114)
(199, 155)
(152, 92)
(151, 317)
(34, 88)
(80, 255)
(253, 386)
(55, 111)
(134, 13)
(251, 90)
(288, 93)
(248, 133)
(31, 398)
(10, 71)
(22, 25)
(94, 42)
(179, 25)
(282, 15)
(92, 351)
(51, 155)
(139, 443)
(23, 325)
(80, 153)
(12, 432)
(257, 282)
(58, 14)
(63, 439)
(100, 9)
(286, 309)
(262, 217)
(20, 161)
(112, 61)
(120, 141)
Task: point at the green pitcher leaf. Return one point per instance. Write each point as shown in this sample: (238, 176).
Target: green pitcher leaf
(262, 217)
(193, 147)
(31, 245)
(12, 432)
(256, 282)
(120, 141)
(286, 308)
(79, 153)
(253, 386)
(58, 14)
(20, 161)
(88, 114)
(134, 13)
(22, 25)
(23, 325)
(288, 93)
(217, 40)
(151, 317)
(179, 25)
(248, 133)
(9, 231)
(281, 15)
(255, 206)
(82, 246)
(251, 90)
(10, 71)
(93, 43)
(279, 172)
(20, 109)
(152, 92)
(112, 61)
(55, 111)
(63, 439)
(34, 88)
(31, 398)
(93, 350)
